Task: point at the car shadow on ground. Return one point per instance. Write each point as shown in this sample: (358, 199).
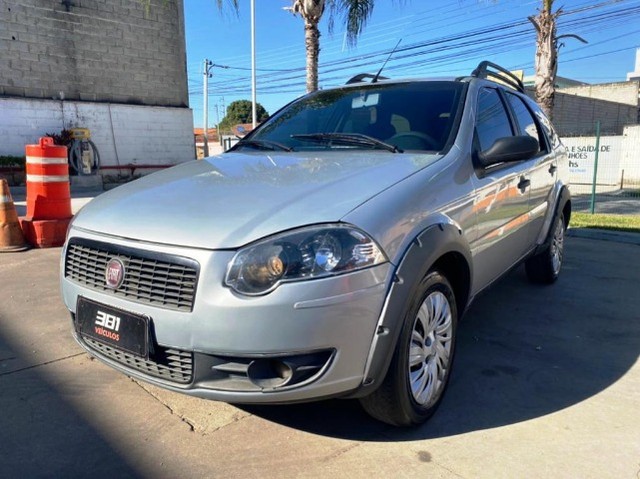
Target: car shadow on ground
(42, 433)
(523, 351)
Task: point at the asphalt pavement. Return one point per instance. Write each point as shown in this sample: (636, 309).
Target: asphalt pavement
(546, 383)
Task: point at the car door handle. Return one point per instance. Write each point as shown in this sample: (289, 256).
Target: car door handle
(552, 169)
(524, 184)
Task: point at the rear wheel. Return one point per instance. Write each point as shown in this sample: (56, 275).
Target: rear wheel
(421, 364)
(545, 266)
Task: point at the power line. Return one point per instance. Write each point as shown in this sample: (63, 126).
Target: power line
(513, 36)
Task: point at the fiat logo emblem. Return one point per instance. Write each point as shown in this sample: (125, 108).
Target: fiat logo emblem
(114, 274)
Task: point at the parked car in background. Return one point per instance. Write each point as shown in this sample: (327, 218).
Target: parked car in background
(331, 252)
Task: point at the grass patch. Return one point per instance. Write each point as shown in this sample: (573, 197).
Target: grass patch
(628, 223)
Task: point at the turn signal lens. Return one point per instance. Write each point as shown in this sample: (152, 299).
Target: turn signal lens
(307, 253)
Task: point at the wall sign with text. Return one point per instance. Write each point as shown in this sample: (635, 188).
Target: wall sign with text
(581, 153)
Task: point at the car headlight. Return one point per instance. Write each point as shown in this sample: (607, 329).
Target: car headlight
(306, 253)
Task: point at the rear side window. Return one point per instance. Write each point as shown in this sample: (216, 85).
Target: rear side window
(551, 134)
(493, 121)
(526, 122)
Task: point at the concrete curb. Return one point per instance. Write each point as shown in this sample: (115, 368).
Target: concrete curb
(605, 235)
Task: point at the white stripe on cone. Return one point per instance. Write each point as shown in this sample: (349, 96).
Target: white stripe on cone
(43, 160)
(47, 178)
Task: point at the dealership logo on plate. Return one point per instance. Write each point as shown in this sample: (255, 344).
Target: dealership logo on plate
(114, 274)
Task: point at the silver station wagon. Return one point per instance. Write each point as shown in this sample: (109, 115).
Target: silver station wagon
(331, 252)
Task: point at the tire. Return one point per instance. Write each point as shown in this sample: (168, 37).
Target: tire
(544, 267)
(421, 365)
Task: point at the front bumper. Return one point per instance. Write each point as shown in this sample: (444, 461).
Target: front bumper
(321, 330)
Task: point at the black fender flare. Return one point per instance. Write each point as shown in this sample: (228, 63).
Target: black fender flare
(422, 254)
(564, 197)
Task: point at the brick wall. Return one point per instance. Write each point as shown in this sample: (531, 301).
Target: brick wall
(575, 115)
(100, 50)
(621, 92)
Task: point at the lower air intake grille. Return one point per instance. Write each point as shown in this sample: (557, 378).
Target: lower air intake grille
(169, 364)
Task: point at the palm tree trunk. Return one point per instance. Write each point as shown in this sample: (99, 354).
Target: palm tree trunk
(312, 45)
(546, 63)
(356, 11)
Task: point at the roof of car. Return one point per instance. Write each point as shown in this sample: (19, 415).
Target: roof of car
(485, 71)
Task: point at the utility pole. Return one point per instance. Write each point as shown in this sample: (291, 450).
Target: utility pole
(253, 63)
(206, 71)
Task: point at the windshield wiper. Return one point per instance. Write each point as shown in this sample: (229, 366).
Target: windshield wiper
(265, 145)
(356, 139)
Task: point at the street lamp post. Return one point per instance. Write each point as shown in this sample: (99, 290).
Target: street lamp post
(208, 64)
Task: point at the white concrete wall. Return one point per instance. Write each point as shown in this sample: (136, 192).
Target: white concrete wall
(582, 154)
(618, 158)
(631, 157)
(123, 134)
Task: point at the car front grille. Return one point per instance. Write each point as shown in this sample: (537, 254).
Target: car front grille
(160, 280)
(171, 365)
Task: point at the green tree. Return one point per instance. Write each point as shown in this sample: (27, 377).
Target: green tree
(239, 111)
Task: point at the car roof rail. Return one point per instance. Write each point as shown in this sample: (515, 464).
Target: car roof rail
(498, 73)
(364, 76)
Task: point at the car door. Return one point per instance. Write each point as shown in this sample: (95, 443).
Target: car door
(502, 195)
(543, 167)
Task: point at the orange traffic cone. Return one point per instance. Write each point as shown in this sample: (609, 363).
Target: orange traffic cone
(11, 237)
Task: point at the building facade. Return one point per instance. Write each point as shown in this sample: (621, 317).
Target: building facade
(113, 66)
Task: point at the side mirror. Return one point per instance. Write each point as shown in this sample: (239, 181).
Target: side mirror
(509, 149)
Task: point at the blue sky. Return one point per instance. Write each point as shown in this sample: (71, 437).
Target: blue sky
(442, 38)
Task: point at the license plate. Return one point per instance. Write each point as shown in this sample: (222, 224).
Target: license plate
(123, 330)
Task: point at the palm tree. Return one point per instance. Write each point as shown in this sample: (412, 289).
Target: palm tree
(547, 47)
(232, 3)
(355, 12)
(546, 63)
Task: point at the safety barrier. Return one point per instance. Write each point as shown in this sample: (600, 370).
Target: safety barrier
(48, 194)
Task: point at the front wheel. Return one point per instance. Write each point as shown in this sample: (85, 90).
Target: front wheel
(419, 372)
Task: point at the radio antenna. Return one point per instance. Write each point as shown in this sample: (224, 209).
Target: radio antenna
(375, 78)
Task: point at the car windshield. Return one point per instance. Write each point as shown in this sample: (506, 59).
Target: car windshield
(394, 118)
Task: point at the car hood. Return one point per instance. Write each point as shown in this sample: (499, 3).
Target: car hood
(233, 199)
